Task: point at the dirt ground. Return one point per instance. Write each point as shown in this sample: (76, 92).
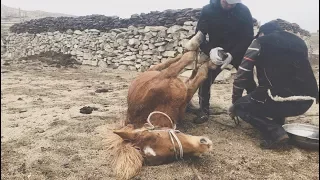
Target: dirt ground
(44, 135)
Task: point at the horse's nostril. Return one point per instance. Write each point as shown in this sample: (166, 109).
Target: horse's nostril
(203, 141)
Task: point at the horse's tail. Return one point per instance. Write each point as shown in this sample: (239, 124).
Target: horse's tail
(125, 159)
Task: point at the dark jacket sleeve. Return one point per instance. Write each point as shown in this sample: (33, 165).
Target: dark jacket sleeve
(244, 77)
(203, 26)
(246, 38)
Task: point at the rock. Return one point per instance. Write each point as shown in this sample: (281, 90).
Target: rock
(102, 64)
(169, 54)
(183, 42)
(132, 68)
(88, 110)
(176, 36)
(123, 67)
(171, 46)
(154, 28)
(174, 29)
(188, 23)
(94, 31)
(162, 34)
(77, 32)
(133, 42)
(131, 58)
(161, 49)
(103, 90)
(188, 28)
(180, 50)
(87, 56)
(147, 36)
(151, 46)
(144, 47)
(147, 52)
(160, 44)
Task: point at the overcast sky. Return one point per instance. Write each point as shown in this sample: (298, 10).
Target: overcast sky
(303, 12)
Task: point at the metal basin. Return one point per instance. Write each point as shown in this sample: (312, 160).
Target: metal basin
(303, 135)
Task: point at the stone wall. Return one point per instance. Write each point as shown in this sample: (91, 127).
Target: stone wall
(128, 44)
(129, 48)
(132, 48)
(103, 23)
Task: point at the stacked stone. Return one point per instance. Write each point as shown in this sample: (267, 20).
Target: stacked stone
(166, 18)
(103, 23)
(132, 48)
(293, 27)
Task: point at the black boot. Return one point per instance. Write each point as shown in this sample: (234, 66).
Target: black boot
(279, 121)
(202, 115)
(279, 142)
(274, 135)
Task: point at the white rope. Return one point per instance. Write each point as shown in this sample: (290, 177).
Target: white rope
(291, 98)
(172, 133)
(159, 112)
(217, 62)
(223, 62)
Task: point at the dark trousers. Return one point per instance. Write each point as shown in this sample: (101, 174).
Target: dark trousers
(256, 113)
(204, 89)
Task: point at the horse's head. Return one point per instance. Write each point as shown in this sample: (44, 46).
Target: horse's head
(159, 146)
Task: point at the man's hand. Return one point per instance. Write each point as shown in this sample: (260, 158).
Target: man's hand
(214, 55)
(227, 61)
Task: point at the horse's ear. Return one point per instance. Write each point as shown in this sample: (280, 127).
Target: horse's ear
(126, 133)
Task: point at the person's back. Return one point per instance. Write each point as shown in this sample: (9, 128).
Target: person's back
(286, 84)
(284, 62)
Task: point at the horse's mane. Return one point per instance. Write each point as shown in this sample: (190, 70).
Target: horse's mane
(126, 160)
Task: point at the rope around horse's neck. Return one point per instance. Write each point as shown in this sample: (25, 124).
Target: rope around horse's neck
(159, 112)
(172, 133)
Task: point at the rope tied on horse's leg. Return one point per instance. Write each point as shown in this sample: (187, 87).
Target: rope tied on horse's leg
(233, 116)
(236, 120)
(195, 66)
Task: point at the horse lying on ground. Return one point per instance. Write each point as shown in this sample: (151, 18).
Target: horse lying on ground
(157, 100)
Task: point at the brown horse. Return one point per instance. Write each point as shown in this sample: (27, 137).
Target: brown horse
(157, 100)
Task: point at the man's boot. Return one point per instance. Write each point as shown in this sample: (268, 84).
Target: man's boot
(279, 121)
(202, 116)
(274, 143)
(203, 112)
(274, 135)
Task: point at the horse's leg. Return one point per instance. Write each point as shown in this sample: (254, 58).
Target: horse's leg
(174, 69)
(165, 64)
(193, 84)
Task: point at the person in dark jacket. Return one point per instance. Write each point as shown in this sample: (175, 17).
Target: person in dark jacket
(287, 86)
(229, 25)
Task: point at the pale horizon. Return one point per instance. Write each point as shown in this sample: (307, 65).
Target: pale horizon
(306, 14)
